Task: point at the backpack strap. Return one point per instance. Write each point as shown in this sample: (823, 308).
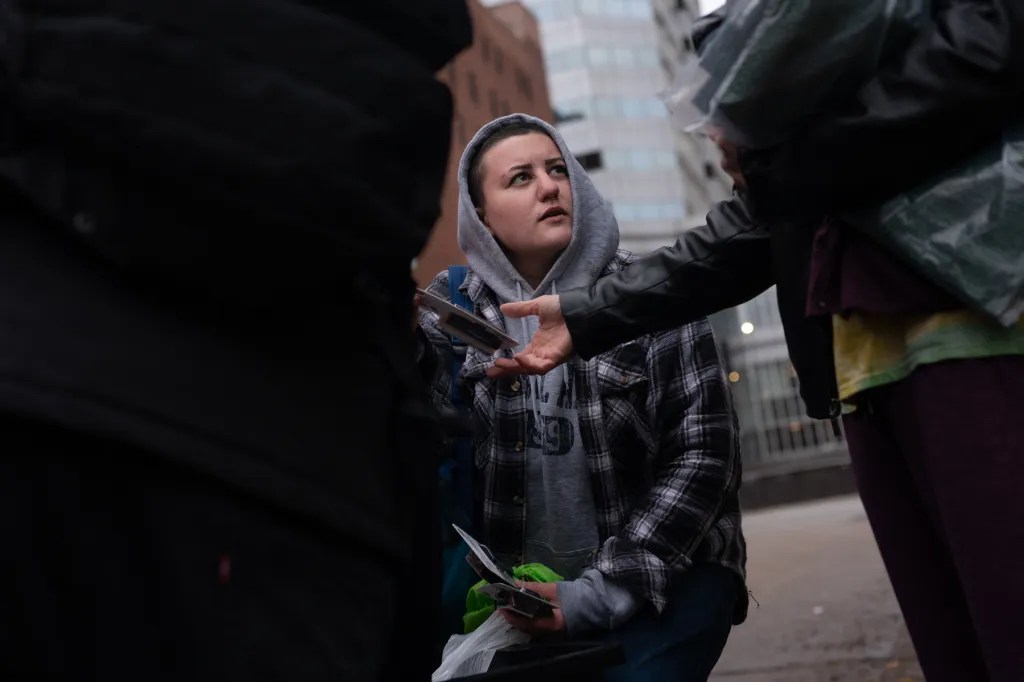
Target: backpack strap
(456, 276)
(456, 479)
(461, 462)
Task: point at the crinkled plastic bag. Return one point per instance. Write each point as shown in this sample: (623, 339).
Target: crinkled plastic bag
(965, 229)
(771, 64)
(471, 654)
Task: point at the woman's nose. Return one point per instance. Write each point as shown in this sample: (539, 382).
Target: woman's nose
(547, 187)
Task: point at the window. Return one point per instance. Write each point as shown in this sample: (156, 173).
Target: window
(563, 60)
(599, 56)
(505, 108)
(650, 210)
(634, 108)
(665, 159)
(605, 107)
(474, 94)
(647, 212)
(524, 85)
(485, 49)
(646, 57)
(459, 131)
(554, 10)
(641, 159)
(499, 60)
(636, 9)
(495, 108)
(567, 116)
(641, 10)
(590, 161)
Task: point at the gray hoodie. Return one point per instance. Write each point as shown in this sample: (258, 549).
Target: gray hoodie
(561, 524)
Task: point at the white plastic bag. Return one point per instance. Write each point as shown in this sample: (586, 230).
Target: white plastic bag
(471, 654)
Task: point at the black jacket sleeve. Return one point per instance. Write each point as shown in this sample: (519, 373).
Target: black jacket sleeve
(952, 91)
(710, 268)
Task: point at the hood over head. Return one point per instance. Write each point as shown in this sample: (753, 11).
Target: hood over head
(595, 232)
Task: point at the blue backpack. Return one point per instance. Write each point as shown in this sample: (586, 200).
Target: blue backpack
(457, 495)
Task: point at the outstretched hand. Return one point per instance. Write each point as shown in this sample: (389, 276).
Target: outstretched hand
(550, 346)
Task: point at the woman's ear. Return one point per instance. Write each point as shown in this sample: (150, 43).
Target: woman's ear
(482, 216)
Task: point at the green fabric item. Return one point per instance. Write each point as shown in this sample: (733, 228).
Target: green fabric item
(479, 606)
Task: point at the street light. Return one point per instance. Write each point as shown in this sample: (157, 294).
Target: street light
(747, 327)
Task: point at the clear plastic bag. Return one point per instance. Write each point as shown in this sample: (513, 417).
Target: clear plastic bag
(471, 654)
(965, 229)
(772, 63)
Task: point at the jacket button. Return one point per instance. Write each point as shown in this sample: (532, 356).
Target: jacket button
(516, 385)
(623, 378)
(518, 499)
(519, 446)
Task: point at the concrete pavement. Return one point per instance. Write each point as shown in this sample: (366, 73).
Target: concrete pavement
(827, 612)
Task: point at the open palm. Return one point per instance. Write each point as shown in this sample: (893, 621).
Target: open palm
(549, 347)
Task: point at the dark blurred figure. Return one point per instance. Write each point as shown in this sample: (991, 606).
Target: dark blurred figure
(213, 454)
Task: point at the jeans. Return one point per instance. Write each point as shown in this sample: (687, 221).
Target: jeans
(684, 642)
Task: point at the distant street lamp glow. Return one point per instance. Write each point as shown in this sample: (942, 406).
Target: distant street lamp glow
(734, 377)
(747, 327)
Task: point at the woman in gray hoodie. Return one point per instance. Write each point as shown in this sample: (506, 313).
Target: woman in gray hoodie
(620, 473)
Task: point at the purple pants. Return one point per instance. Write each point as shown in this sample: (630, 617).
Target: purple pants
(939, 462)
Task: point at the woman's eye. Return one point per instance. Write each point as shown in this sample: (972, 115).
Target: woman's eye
(520, 178)
(559, 170)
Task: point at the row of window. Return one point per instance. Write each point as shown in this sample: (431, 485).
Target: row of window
(610, 107)
(649, 210)
(523, 85)
(490, 55)
(639, 159)
(560, 10)
(600, 57)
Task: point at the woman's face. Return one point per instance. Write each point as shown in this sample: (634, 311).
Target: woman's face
(527, 202)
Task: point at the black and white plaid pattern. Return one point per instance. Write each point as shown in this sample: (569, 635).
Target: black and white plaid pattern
(660, 436)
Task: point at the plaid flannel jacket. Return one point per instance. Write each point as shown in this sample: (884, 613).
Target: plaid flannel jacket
(660, 436)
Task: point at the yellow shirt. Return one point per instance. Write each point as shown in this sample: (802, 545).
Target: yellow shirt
(873, 349)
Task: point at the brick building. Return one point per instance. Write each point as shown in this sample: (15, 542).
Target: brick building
(501, 73)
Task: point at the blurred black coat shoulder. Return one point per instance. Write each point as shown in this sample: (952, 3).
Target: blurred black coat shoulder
(202, 144)
(189, 190)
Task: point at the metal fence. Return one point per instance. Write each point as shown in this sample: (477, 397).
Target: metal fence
(777, 436)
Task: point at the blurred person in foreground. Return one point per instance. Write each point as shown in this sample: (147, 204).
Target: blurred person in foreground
(931, 394)
(212, 462)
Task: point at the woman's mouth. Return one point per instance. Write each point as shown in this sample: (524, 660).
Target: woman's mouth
(552, 212)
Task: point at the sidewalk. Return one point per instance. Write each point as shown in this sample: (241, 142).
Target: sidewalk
(827, 612)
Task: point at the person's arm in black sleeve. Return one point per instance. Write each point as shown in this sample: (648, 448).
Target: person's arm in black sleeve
(716, 266)
(951, 92)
